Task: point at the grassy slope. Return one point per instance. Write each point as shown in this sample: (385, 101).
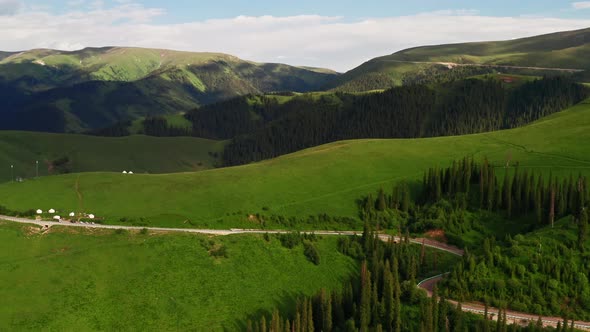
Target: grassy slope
(326, 179)
(558, 50)
(124, 64)
(88, 153)
(83, 280)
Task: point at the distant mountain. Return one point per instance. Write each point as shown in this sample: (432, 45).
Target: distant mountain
(95, 87)
(549, 54)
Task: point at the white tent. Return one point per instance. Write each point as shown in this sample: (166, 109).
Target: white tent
(124, 172)
(130, 172)
(91, 216)
(72, 214)
(39, 211)
(58, 218)
(51, 211)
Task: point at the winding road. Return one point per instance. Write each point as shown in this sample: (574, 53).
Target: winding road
(427, 284)
(454, 64)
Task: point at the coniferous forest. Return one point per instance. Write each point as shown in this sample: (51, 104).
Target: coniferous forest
(536, 261)
(383, 297)
(262, 127)
(268, 129)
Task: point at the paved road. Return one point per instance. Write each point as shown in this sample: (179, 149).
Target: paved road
(426, 284)
(453, 64)
(511, 316)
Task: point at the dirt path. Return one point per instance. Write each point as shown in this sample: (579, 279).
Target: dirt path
(453, 64)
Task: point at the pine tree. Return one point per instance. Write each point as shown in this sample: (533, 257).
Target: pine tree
(406, 198)
(507, 194)
(434, 307)
(397, 319)
(263, 324)
(310, 323)
(275, 323)
(326, 300)
(442, 315)
(388, 298)
(552, 206)
(366, 292)
(582, 229)
(381, 204)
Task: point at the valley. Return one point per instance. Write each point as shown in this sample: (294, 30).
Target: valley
(439, 188)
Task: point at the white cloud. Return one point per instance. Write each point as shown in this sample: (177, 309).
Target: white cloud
(10, 7)
(312, 40)
(581, 5)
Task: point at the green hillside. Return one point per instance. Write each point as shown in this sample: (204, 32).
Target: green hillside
(565, 50)
(96, 87)
(327, 179)
(81, 280)
(140, 154)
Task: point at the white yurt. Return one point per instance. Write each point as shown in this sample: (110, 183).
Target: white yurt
(51, 211)
(39, 211)
(130, 172)
(91, 216)
(58, 218)
(124, 172)
(72, 214)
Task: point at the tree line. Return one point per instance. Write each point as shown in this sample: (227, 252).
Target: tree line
(454, 108)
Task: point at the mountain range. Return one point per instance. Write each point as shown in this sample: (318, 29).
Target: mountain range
(96, 87)
(80, 91)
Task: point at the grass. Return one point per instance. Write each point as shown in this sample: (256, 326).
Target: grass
(98, 280)
(558, 50)
(325, 179)
(88, 153)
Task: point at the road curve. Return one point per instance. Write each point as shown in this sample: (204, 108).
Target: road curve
(427, 284)
(511, 316)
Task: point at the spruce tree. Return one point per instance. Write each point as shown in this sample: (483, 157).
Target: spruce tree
(582, 229)
(507, 194)
(388, 298)
(326, 300)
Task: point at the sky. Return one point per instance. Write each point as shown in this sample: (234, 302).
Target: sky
(339, 35)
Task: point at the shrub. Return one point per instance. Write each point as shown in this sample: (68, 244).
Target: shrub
(218, 251)
(311, 252)
(120, 231)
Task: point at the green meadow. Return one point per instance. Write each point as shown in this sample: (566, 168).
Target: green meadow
(141, 154)
(326, 179)
(80, 280)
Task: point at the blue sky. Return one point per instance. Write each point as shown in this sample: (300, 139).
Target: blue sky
(323, 33)
(188, 11)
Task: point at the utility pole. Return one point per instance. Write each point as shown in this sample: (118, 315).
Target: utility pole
(37, 168)
(11, 173)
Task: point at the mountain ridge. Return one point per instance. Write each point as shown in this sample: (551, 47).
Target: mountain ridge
(564, 49)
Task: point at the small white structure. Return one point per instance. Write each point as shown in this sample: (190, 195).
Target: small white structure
(51, 211)
(130, 172)
(91, 216)
(124, 172)
(58, 218)
(72, 214)
(39, 211)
